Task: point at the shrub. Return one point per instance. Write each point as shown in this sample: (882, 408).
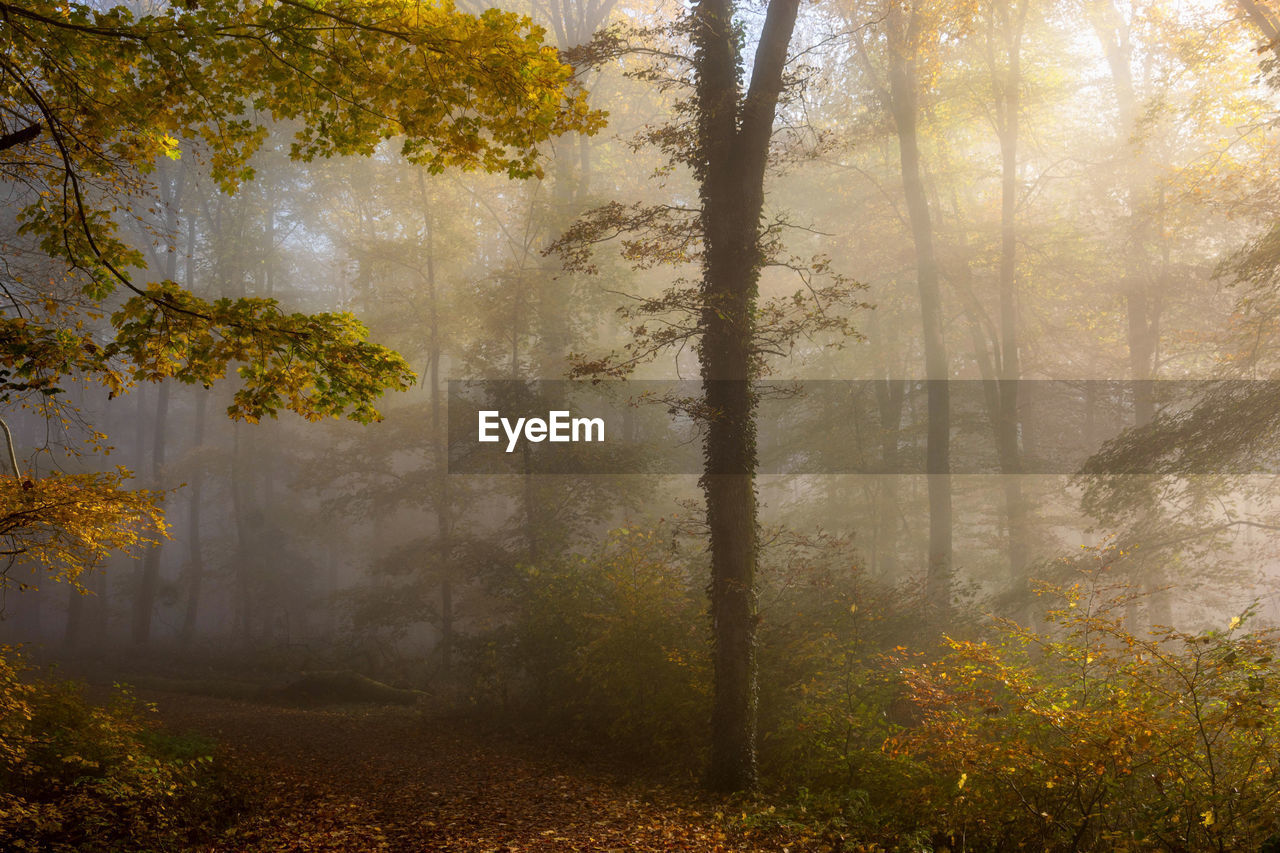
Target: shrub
(823, 626)
(615, 643)
(827, 701)
(75, 776)
(1090, 737)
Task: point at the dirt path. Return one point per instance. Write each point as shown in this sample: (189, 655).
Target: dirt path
(317, 780)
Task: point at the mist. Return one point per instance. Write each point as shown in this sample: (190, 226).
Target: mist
(765, 426)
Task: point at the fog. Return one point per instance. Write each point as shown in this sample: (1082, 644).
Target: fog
(1011, 351)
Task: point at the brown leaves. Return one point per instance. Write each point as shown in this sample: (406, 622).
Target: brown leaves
(394, 780)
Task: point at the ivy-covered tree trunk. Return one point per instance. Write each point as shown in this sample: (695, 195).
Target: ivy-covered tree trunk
(733, 147)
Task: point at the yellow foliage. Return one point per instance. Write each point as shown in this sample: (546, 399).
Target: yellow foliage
(1091, 737)
(65, 524)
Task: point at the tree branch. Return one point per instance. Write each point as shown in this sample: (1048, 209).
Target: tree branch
(19, 137)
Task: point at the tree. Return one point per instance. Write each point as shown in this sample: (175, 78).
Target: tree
(723, 132)
(909, 30)
(94, 99)
(732, 150)
(1006, 23)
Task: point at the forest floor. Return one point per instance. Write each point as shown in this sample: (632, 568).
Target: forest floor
(393, 779)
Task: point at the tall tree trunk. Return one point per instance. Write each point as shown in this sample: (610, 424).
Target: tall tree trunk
(444, 520)
(573, 24)
(1265, 20)
(732, 153)
(74, 633)
(903, 92)
(1142, 307)
(171, 184)
(1007, 83)
(195, 547)
(890, 396)
(440, 439)
(1143, 304)
(99, 612)
(240, 514)
(149, 583)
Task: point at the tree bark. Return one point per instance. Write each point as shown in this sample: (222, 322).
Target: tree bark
(1143, 302)
(1266, 23)
(890, 397)
(732, 153)
(149, 582)
(440, 439)
(195, 548)
(1142, 307)
(903, 91)
(240, 510)
(74, 632)
(1007, 84)
(19, 137)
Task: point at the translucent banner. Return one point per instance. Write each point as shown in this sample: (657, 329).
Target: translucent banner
(867, 426)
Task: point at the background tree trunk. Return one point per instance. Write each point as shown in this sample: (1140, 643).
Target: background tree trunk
(144, 602)
(1007, 83)
(903, 89)
(195, 546)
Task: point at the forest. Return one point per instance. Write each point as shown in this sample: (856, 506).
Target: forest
(631, 425)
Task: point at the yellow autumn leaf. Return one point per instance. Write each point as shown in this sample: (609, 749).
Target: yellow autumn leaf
(169, 147)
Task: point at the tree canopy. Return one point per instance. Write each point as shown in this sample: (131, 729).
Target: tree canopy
(95, 101)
